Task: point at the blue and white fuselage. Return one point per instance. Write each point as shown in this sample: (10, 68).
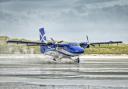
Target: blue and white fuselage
(68, 49)
(61, 50)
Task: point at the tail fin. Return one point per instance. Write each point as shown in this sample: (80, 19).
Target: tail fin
(43, 49)
(42, 35)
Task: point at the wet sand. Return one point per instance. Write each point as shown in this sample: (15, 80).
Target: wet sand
(40, 72)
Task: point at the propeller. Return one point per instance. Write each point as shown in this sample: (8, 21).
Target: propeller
(92, 44)
(60, 41)
(88, 41)
(53, 41)
(87, 38)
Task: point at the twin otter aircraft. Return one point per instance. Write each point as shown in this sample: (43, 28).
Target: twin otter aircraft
(59, 50)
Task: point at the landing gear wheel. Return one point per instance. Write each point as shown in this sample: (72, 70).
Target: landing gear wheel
(54, 59)
(77, 60)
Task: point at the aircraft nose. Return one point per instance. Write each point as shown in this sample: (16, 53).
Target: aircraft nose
(79, 50)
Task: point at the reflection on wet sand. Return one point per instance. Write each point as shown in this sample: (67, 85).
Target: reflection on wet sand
(89, 74)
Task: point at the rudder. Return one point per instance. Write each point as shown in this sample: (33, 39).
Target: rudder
(43, 39)
(42, 35)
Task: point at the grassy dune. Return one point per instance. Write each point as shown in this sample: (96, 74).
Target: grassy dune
(111, 49)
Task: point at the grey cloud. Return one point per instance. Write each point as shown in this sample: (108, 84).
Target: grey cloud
(92, 1)
(4, 0)
(100, 3)
(61, 16)
(32, 10)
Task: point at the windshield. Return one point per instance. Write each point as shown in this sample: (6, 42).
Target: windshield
(73, 44)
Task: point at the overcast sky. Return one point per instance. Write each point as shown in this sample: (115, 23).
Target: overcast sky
(71, 20)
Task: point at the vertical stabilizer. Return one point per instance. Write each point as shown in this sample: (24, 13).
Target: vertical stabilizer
(43, 39)
(42, 35)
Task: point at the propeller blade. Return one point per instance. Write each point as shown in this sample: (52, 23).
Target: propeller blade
(52, 40)
(60, 41)
(92, 45)
(87, 38)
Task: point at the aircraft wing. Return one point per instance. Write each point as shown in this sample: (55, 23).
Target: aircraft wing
(109, 42)
(29, 43)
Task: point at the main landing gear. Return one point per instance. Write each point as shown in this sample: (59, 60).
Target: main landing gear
(77, 60)
(54, 59)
